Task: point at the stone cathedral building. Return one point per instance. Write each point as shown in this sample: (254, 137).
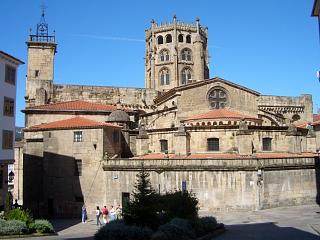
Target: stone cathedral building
(234, 147)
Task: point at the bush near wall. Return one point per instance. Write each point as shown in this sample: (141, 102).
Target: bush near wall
(117, 230)
(41, 226)
(12, 227)
(19, 214)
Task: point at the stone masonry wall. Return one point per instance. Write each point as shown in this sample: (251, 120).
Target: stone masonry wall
(137, 98)
(222, 185)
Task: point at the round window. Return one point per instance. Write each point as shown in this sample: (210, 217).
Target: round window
(217, 98)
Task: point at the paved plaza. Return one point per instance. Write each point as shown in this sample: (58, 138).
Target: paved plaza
(300, 222)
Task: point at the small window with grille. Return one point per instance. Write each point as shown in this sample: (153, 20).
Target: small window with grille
(77, 167)
(164, 145)
(77, 136)
(213, 144)
(266, 144)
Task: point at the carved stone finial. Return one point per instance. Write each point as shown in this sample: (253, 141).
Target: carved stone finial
(243, 125)
(197, 19)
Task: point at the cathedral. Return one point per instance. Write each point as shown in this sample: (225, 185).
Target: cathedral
(232, 146)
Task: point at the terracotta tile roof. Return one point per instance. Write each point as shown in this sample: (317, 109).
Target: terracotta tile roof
(264, 155)
(72, 123)
(76, 105)
(221, 114)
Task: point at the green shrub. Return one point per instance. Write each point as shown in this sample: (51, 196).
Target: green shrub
(19, 214)
(117, 230)
(176, 229)
(41, 226)
(179, 204)
(12, 227)
(205, 225)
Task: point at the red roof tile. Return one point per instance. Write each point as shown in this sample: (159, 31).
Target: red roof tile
(72, 123)
(224, 156)
(76, 105)
(221, 114)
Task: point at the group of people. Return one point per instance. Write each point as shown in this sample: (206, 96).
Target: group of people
(107, 214)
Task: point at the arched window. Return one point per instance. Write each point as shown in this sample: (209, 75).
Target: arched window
(186, 54)
(186, 76)
(295, 117)
(160, 40)
(168, 38)
(188, 39)
(180, 38)
(213, 144)
(266, 144)
(164, 55)
(164, 76)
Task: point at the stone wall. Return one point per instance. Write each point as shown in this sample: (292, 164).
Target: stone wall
(222, 185)
(136, 98)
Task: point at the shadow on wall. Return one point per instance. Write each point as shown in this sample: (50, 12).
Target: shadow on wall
(317, 169)
(264, 231)
(52, 186)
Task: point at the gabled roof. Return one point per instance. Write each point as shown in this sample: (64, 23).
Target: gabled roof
(221, 114)
(167, 95)
(11, 57)
(72, 123)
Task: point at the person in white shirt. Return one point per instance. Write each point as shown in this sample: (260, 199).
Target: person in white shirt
(98, 214)
(113, 214)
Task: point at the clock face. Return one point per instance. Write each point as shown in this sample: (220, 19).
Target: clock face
(217, 98)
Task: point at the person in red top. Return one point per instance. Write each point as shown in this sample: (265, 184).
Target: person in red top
(105, 212)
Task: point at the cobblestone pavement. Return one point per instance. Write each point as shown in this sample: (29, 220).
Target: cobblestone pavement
(288, 223)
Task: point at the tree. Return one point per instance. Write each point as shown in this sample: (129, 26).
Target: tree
(142, 207)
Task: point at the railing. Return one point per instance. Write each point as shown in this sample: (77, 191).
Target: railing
(39, 38)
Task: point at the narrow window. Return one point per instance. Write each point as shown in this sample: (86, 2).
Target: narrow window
(115, 136)
(77, 167)
(36, 73)
(160, 40)
(7, 139)
(8, 107)
(10, 75)
(266, 144)
(186, 54)
(180, 38)
(164, 77)
(164, 146)
(168, 38)
(213, 144)
(186, 76)
(188, 39)
(77, 136)
(164, 55)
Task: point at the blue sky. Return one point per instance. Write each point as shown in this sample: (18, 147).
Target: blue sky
(270, 46)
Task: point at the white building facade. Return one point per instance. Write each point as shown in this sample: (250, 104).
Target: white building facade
(8, 83)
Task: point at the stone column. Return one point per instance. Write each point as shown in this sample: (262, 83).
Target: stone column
(142, 145)
(182, 141)
(293, 138)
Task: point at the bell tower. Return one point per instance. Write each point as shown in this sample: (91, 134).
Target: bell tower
(41, 51)
(176, 54)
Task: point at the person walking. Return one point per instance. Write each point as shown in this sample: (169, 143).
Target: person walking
(98, 214)
(119, 212)
(84, 214)
(112, 213)
(104, 211)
